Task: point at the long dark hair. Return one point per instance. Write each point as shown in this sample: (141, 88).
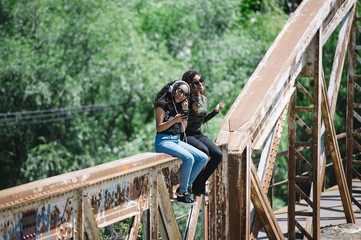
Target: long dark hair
(164, 97)
(188, 77)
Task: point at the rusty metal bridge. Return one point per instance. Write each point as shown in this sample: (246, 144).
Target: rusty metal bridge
(75, 205)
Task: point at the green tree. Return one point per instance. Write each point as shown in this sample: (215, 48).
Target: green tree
(114, 54)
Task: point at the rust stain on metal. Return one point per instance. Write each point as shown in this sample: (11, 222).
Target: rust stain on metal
(119, 194)
(171, 178)
(8, 228)
(48, 219)
(55, 218)
(167, 175)
(94, 202)
(66, 228)
(68, 211)
(218, 202)
(138, 187)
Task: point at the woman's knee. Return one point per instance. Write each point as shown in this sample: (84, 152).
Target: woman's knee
(200, 146)
(203, 157)
(187, 158)
(204, 149)
(219, 154)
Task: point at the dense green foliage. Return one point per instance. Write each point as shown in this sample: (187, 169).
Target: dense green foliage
(71, 54)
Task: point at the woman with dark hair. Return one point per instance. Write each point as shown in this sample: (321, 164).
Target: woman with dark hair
(171, 114)
(198, 115)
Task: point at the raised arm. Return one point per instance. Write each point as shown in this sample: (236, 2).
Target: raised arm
(215, 111)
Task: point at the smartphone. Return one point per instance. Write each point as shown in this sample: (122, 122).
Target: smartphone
(185, 112)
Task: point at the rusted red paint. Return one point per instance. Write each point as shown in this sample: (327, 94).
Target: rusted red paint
(119, 194)
(94, 202)
(171, 178)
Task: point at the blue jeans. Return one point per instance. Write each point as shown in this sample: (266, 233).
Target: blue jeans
(193, 159)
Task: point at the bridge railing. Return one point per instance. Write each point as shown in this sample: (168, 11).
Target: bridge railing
(256, 119)
(77, 204)
(69, 205)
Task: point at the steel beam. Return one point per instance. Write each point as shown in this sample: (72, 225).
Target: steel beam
(316, 137)
(166, 210)
(336, 157)
(239, 194)
(292, 168)
(263, 208)
(217, 218)
(134, 226)
(265, 170)
(91, 227)
(351, 113)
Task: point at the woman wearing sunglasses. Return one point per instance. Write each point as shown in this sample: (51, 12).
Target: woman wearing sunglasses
(171, 106)
(198, 115)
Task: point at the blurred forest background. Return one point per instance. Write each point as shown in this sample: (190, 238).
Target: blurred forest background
(78, 78)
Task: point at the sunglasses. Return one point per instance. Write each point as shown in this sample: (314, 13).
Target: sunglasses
(181, 92)
(197, 83)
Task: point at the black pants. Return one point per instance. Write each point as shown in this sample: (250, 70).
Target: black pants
(208, 147)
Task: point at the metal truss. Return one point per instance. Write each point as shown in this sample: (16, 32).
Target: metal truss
(353, 124)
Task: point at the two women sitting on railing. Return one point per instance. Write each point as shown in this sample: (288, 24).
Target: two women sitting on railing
(174, 121)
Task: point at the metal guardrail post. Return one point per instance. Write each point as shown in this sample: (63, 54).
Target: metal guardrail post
(217, 209)
(352, 115)
(239, 201)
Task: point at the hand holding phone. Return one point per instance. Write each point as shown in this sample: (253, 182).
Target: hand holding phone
(185, 113)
